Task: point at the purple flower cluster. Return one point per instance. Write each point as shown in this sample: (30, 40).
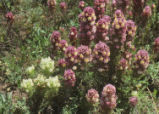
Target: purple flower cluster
(131, 30)
(84, 54)
(133, 101)
(87, 25)
(123, 64)
(99, 7)
(108, 99)
(69, 77)
(92, 96)
(81, 5)
(103, 28)
(51, 3)
(63, 45)
(147, 12)
(73, 35)
(63, 6)
(55, 38)
(142, 60)
(156, 45)
(71, 54)
(118, 31)
(101, 52)
(62, 63)
(9, 16)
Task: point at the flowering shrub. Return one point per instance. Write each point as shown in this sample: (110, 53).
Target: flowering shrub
(93, 43)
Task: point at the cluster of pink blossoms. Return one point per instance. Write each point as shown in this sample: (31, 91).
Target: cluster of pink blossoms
(63, 45)
(73, 35)
(81, 5)
(84, 54)
(131, 30)
(63, 6)
(69, 77)
(99, 7)
(108, 98)
(62, 63)
(156, 45)
(55, 38)
(147, 12)
(142, 61)
(101, 52)
(103, 28)
(87, 26)
(123, 64)
(92, 96)
(71, 54)
(133, 101)
(51, 3)
(118, 31)
(9, 16)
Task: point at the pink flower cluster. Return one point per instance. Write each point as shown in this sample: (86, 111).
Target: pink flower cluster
(101, 52)
(142, 60)
(62, 63)
(71, 54)
(92, 96)
(103, 28)
(81, 5)
(63, 45)
(99, 7)
(87, 25)
(84, 54)
(63, 6)
(118, 31)
(55, 38)
(156, 45)
(69, 77)
(9, 16)
(147, 12)
(123, 64)
(73, 35)
(131, 30)
(133, 101)
(51, 3)
(108, 99)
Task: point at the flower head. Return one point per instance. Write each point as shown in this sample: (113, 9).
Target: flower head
(84, 54)
(133, 101)
(101, 52)
(9, 16)
(27, 85)
(147, 11)
(69, 77)
(142, 60)
(47, 65)
(81, 5)
(92, 96)
(51, 3)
